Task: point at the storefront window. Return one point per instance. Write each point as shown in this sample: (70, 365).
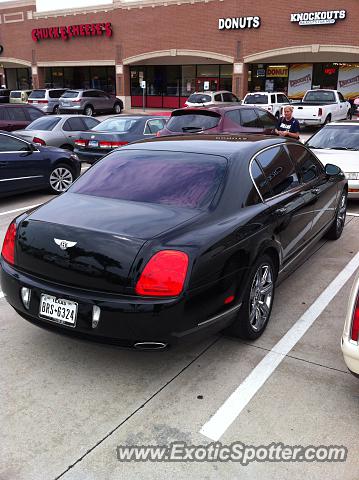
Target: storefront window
(102, 78)
(188, 83)
(226, 72)
(325, 75)
(18, 78)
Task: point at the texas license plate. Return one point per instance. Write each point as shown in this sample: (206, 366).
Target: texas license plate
(93, 143)
(58, 310)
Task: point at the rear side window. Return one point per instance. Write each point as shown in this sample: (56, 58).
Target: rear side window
(34, 113)
(3, 114)
(233, 116)
(199, 98)
(192, 122)
(256, 98)
(266, 120)
(306, 164)
(44, 123)
(260, 181)
(153, 126)
(10, 144)
(282, 98)
(272, 99)
(249, 118)
(278, 170)
(17, 114)
(89, 123)
(38, 94)
(168, 178)
(56, 93)
(73, 125)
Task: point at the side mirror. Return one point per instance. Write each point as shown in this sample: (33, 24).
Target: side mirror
(332, 170)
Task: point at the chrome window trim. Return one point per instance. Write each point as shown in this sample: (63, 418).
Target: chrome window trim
(21, 178)
(20, 140)
(292, 190)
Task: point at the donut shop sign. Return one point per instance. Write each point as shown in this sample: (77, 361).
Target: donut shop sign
(72, 31)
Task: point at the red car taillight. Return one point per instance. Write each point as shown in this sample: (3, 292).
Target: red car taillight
(164, 274)
(8, 248)
(79, 142)
(105, 144)
(38, 140)
(355, 322)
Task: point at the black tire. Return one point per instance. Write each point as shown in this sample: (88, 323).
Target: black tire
(247, 325)
(327, 120)
(337, 226)
(277, 115)
(61, 178)
(89, 111)
(349, 115)
(56, 110)
(117, 108)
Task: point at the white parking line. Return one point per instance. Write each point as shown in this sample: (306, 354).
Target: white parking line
(1, 294)
(19, 209)
(237, 401)
(353, 214)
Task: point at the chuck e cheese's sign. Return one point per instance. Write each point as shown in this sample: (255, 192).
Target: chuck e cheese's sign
(72, 31)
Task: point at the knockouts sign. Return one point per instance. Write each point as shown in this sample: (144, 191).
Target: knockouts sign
(318, 18)
(238, 23)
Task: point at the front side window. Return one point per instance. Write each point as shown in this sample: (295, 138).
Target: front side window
(278, 170)
(34, 113)
(260, 181)
(167, 178)
(17, 114)
(249, 118)
(306, 164)
(266, 120)
(73, 125)
(10, 144)
(217, 97)
(56, 93)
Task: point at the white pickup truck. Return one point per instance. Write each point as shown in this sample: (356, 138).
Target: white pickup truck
(319, 107)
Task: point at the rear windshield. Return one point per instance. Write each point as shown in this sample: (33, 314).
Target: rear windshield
(71, 94)
(199, 98)
(38, 94)
(256, 98)
(116, 125)
(15, 94)
(44, 123)
(193, 121)
(319, 96)
(167, 178)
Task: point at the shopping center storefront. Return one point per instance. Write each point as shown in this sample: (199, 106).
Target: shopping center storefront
(160, 52)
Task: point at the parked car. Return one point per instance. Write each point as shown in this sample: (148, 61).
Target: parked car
(238, 119)
(338, 143)
(47, 99)
(172, 237)
(16, 117)
(355, 107)
(271, 101)
(89, 102)
(320, 107)
(350, 338)
(116, 132)
(202, 99)
(25, 166)
(19, 96)
(4, 95)
(57, 131)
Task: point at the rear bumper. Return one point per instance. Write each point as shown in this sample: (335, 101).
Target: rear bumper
(89, 157)
(310, 121)
(353, 189)
(124, 320)
(351, 355)
(73, 109)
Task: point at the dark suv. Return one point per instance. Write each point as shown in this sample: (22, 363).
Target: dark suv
(17, 117)
(230, 119)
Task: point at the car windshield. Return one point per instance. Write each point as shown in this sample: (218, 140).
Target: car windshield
(256, 98)
(337, 137)
(37, 94)
(122, 124)
(15, 94)
(44, 123)
(199, 98)
(319, 96)
(70, 94)
(160, 177)
(193, 121)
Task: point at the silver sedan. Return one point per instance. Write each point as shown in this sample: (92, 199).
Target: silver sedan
(57, 131)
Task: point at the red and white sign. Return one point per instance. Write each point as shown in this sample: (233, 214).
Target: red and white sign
(348, 81)
(300, 79)
(72, 31)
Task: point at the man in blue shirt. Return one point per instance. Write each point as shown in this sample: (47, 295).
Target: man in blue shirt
(288, 126)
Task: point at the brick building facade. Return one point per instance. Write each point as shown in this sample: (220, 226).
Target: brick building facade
(181, 46)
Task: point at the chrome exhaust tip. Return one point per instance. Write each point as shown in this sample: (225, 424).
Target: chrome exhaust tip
(150, 345)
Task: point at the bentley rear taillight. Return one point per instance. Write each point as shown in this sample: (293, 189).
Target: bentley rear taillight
(355, 322)
(164, 274)
(8, 248)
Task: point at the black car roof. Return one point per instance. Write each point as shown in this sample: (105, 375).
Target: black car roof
(220, 144)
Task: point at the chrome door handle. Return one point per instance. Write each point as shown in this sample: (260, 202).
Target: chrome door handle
(315, 191)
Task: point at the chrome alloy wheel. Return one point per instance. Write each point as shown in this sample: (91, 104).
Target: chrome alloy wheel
(342, 212)
(60, 179)
(261, 297)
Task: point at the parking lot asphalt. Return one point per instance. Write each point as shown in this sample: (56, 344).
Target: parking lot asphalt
(66, 405)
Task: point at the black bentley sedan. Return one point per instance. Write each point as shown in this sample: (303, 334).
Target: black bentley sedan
(172, 237)
(25, 166)
(115, 132)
